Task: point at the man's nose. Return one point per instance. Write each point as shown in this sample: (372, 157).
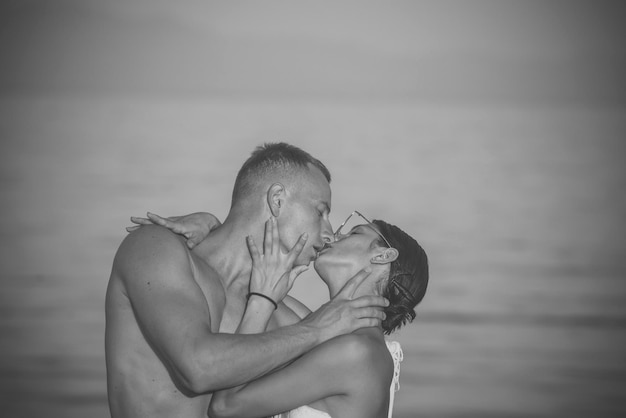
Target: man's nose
(327, 233)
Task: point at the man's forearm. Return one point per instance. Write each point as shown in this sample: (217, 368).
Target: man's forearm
(227, 360)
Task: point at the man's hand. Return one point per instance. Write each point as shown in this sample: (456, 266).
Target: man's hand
(273, 273)
(343, 314)
(195, 227)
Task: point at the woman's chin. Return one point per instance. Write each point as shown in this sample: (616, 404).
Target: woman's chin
(322, 268)
(318, 265)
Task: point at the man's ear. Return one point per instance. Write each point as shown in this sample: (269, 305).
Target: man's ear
(275, 198)
(387, 256)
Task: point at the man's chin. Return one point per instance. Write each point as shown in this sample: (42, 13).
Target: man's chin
(305, 261)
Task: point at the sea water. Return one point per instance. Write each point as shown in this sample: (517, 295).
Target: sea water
(520, 208)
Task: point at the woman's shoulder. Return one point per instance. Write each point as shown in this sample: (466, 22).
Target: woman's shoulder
(363, 365)
(356, 349)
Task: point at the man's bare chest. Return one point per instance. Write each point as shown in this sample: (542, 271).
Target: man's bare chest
(211, 286)
(227, 306)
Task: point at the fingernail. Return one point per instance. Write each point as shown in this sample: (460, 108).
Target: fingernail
(368, 269)
(305, 235)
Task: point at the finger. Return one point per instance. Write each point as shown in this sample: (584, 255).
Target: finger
(370, 301)
(176, 228)
(215, 224)
(297, 248)
(368, 323)
(167, 223)
(376, 313)
(193, 240)
(254, 251)
(140, 221)
(267, 238)
(275, 239)
(350, 287)
(155, 216)
(158, 219)
(132, 228)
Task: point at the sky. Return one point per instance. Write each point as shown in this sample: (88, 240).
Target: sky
(459, 51)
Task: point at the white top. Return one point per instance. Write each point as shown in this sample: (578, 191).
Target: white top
(396, 353)
(303, 412)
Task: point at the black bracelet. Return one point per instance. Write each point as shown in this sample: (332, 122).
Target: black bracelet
(263, 296)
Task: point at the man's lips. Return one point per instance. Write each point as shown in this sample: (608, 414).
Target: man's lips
(320, 250)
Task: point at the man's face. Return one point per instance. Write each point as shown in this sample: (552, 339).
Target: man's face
(306, 209)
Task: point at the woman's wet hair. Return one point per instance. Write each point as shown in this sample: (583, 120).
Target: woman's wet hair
(408, 277)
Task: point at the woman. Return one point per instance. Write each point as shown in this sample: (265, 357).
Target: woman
(353, 375)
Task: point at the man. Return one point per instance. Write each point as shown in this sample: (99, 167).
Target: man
(171, 311)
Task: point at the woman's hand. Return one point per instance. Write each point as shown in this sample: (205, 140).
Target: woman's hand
(273, 273)
(195, 226)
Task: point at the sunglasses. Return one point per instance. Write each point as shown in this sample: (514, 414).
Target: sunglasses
(370, 224)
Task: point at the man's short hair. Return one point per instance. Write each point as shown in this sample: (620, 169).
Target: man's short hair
(273, 158)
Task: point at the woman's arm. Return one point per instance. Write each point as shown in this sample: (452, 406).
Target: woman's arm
(195, 226)
(272, 276)
(349, 366)
(299, 308)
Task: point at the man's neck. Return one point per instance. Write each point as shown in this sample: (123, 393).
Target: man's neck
(226, 252)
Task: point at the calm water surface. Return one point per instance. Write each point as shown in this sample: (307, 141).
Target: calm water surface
(521, 211)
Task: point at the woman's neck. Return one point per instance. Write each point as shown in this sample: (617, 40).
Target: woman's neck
(376, 333)
(369, 286)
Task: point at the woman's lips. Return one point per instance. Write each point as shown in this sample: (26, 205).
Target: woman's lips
(322, 250)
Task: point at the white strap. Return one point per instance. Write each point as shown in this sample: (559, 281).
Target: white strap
(396, 354)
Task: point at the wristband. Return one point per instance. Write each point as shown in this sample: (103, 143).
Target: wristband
(263, 296)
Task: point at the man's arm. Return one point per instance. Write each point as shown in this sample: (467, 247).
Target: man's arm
(349, 366)
(175, 318)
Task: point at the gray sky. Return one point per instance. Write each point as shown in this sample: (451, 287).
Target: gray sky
(522, 51)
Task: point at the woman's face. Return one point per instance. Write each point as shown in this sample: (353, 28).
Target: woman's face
(348, 255)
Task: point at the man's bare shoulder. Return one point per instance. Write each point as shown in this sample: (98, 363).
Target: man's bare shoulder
(147, 248)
